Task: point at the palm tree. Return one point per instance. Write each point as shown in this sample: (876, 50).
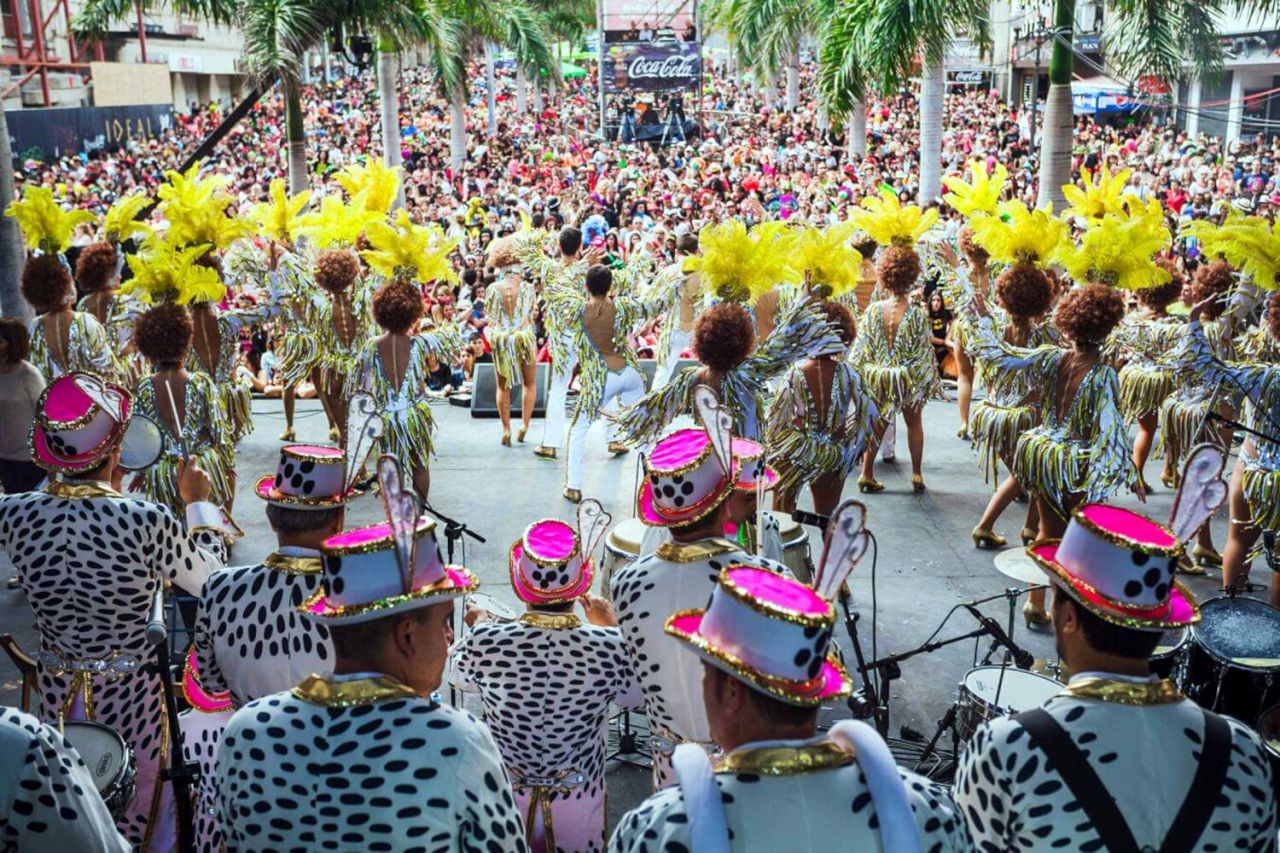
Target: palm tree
(767, 35)
(11, 251)
(843, 78)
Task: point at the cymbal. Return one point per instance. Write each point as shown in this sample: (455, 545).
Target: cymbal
(1014, 563)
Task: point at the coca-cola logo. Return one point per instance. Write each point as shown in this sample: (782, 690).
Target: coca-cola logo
(663, 69)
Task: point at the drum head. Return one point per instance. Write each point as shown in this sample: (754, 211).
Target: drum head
(101, 749)
(1170, 642)
(1242, 631)
(626, 536)
(143, 444)
(490, 604)
(1020, 690)
(1014, 563)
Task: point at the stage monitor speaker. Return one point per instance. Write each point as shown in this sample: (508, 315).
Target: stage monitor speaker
(649, 367)
(485, 384)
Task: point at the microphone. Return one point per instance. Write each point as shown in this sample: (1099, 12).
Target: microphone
(812, 519)
(157, 630)
(1021, 657)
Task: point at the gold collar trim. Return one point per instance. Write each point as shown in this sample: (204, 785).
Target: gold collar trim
(323, 690)
(292, 565)
(1161, 692)
(786, 760)
(554, 621)
(79, 491)
(694, 552)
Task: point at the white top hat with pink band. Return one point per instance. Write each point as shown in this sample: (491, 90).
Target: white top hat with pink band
(308, 477)
(547, 565)
(1120, 565)
(769, 631)
(752, 468)
(684, 480)
(363, 580)
(80, 420)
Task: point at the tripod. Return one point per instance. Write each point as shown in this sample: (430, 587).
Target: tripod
(454, 530)
(180, 773)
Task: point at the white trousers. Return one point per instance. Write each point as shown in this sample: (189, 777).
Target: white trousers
(626, 387)
(668, 359)
(553, 423)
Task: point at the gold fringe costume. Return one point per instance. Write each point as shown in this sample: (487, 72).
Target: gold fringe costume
(1182, 416)
(531, 248)
(88, 349)
(1145, 379)
(201, 438)
(1084, 453)
(902, 374)
(510, 334)
(312, 343)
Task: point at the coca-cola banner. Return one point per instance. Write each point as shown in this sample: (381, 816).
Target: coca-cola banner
(651, 67)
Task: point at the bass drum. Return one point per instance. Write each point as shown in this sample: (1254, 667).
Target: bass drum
(110, 762)
(1233, 664)
(621, 549)
(795, 547)
(988, 692)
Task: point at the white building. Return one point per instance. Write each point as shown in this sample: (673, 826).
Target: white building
(1242, 101)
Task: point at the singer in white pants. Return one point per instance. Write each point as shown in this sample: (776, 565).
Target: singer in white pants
(627, 386)
(558, 395)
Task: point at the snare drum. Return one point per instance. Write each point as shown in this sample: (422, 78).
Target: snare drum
(621, 548)
(795, 547)
(110, 762)
(1233, 666)
(985, 695)
(1169, 660)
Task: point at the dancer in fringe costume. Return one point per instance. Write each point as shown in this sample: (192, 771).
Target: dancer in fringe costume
(509, 308)
(98, 268)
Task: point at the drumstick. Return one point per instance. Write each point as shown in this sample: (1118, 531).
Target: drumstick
(177, 421)
(764, 457)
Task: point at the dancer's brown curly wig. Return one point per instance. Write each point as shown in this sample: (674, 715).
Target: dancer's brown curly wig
(163, 334)
(96, 266)
(898, 269)
(842, 319)
(337, 270)
(971, 250)
(1024, 290)
(46, 283)
(1087, 314)
(1213, 279)
(1273, 315)
(1160, 297)
(723, 336)
(397, 306)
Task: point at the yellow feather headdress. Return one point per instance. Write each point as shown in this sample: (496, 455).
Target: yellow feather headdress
(374, 182)
(834, 266)
(1097, 198)
(979, 196)
(45, 225)
(164, 272)
(738, 265)
(1251, 244)
(887, 221)
(197, 210)
(1020, 236)
(1120, 252)
(121, 221)
(408, 252)
(337, 225)
(277, 218)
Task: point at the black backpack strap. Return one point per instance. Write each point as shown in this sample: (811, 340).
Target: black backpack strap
(1083, 783)
(1197, 808)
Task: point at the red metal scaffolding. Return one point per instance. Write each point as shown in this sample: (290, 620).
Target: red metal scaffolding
(32, 27)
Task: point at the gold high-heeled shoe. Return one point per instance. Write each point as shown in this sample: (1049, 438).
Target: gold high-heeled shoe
(506, 438)
(573, 496)
(963, 433)
(917, 484)
(520, 434)
(1035, 617)
(1028, 536)
(1206, 557)
(289, 434)
(987, 538)
(334, 435)
(1170, 481)
(869, 485)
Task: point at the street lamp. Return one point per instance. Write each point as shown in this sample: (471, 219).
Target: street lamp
(1041, 32)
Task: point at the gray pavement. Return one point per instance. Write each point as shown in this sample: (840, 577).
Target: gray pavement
(926, 562)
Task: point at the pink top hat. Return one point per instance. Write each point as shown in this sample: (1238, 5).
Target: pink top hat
(547, 566)
(363, 580)
(751, 466)
(308, 477)
(684, 480)
(80, 420)
(1120, 566)
(768, 631)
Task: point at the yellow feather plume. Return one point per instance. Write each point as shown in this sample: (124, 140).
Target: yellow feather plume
(1251, 244)
(738, 265)
(834, 266)
(277, 218)
(197, 210)
(378, 182)
(1120, 252)
(164, 272)
(981, 195)
(1097, 198)
(405, 251)
(121, 221)
(337, 225)
(886, 221)
(45, 225)
(1018, 235)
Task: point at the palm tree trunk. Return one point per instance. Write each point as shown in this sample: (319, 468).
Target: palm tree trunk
(11, 302)
(490, 83)
(933, 88)
(522, 96)
(457, 131)
(855, 125)
(389, 101)
(537, 97)
(295, 138)
(793, 80)
(1055, 140)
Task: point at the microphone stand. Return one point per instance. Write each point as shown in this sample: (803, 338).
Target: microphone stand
(454, 530)
(181, 774)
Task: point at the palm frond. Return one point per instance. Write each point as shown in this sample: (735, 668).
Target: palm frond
(901, 30)
(277, 33)
(843, 77)
(95, 17)
(1200, 39)
(520, 28)
(1142, 37)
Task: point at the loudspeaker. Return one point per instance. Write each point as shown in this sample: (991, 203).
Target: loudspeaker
(649, 367)
(485, 385)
